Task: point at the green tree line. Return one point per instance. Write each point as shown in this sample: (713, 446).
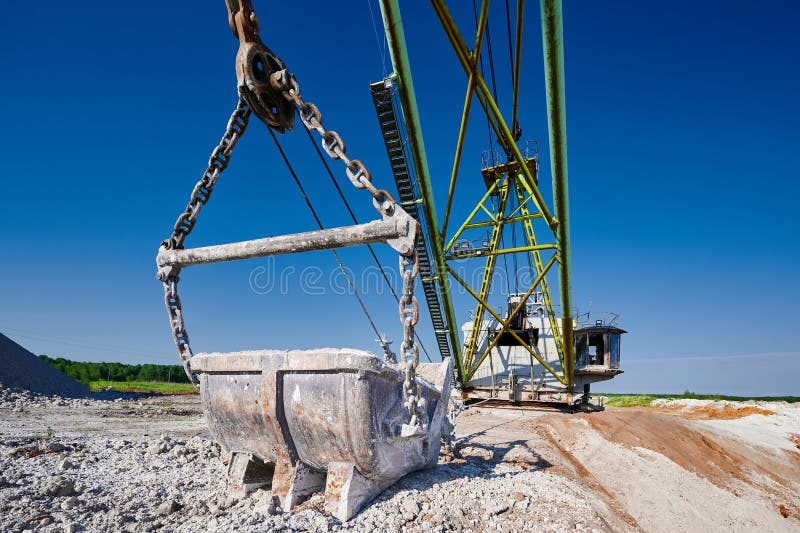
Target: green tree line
(87, 372)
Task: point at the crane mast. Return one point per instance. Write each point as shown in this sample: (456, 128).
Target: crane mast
(512, 199)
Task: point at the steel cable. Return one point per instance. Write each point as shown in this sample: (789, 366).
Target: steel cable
(319, 223)
(355, 221)
(339, 261)
(480, 62)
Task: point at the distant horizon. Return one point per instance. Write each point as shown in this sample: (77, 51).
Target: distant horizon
(608, 387)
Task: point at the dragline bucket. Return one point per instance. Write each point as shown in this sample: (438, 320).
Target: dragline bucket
(328, 419)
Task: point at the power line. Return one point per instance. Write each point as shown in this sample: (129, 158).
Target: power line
(66, 342)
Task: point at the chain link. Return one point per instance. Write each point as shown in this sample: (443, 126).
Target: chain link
(179, 334)
(217, 163)
(409, 351)
(334, 146)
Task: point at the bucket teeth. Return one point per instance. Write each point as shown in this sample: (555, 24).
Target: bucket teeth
(347, 491)
(247, 473)
(294, 484)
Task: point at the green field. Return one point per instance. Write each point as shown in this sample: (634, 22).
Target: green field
(150, 387)
(643, 400)
(87, 372)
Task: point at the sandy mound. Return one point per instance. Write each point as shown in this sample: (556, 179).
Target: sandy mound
(19, 368)
(672, 474)
(714, 409)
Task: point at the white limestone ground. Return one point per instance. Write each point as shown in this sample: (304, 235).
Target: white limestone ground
(146, 464)
(74, 478)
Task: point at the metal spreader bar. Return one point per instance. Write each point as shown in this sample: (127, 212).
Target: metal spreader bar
(398, 231)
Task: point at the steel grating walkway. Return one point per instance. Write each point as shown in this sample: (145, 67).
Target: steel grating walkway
(391, 127)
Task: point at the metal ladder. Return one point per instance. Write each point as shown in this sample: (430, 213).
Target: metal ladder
(382, 97)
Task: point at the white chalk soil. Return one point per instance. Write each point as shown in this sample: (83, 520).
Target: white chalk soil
(148, 464)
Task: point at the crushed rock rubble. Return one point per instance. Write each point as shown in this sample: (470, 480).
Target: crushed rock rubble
(178, 485)
(163, 483)
(21, 400)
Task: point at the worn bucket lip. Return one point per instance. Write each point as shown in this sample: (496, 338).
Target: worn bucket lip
(313, 359)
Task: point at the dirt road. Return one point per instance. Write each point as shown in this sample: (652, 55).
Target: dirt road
(144, 465)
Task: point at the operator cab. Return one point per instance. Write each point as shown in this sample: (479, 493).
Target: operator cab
(597, 349)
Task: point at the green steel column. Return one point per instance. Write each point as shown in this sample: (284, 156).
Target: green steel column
(553, 48)
(393, 25)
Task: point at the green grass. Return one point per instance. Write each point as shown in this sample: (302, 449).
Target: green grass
(643, 400)
(629, 400)
(153, 387)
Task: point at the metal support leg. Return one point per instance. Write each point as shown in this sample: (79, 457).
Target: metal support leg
(295, 483)
(347, 491)
(247, 473)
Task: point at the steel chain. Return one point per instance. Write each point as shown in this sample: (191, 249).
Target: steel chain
(217, 163)
(179, 334)
(384, 203)
(409, 351)
(334, 146)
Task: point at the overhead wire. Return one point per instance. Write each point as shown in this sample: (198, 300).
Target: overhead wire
(505, 148)
(514, 244)
(381, 49)
(510, 44)
(489, 125)
(355, 221)
(513, 59)
(514, 125)
(481, 70)
(516, 130)
(494, 79)
(69, 342)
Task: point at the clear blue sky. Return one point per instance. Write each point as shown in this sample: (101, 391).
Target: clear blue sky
(683, 157)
